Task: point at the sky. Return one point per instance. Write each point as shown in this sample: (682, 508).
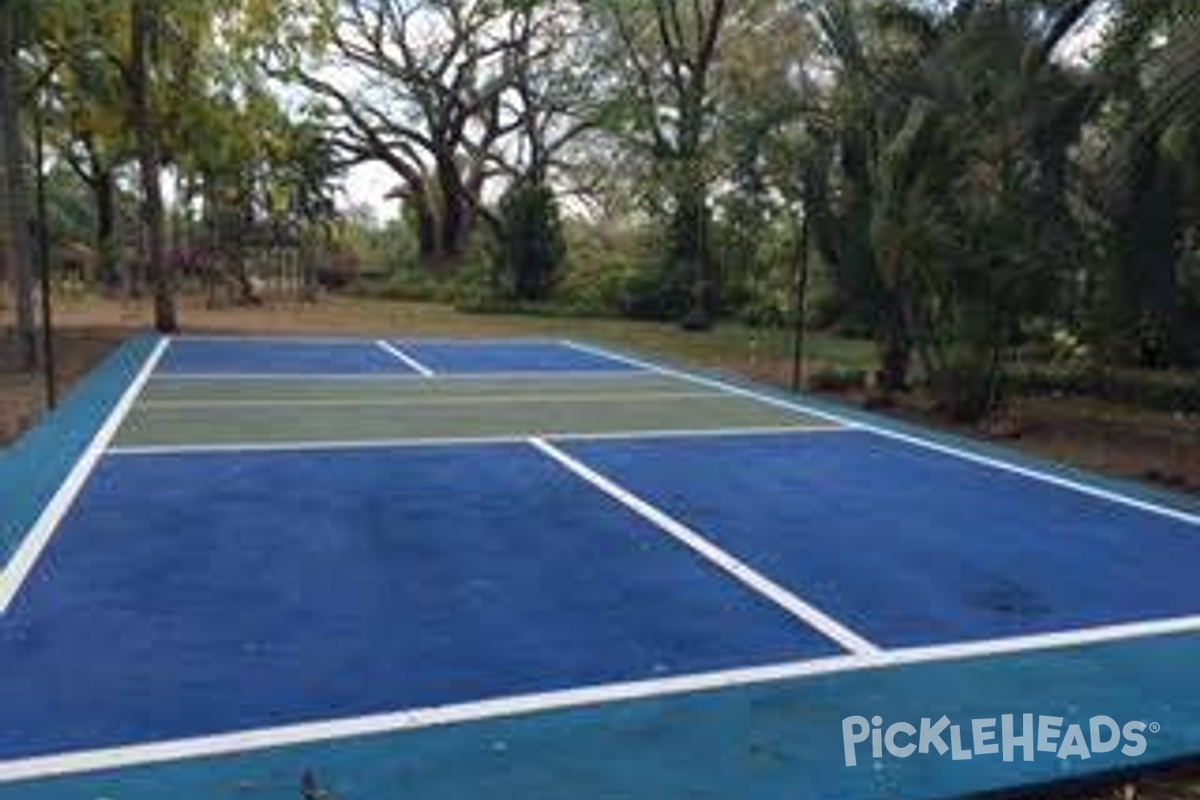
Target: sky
(366, 185)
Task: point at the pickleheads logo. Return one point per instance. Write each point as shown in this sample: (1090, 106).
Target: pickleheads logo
(1030, 735)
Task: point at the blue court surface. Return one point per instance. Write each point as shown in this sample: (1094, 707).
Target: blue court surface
(364, 569)
(278, 358)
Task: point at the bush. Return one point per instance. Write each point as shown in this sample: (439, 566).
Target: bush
(406, 286)
(766, 305)
(534, 248)
(339, 269)
(477, 288)
(616, 272)
(966, 388)
(837, 379)
(1162, 391)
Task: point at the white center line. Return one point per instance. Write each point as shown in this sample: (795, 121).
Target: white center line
(761, 584)
(417, 366)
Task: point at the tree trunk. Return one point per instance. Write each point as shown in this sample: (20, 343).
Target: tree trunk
(14, 217)
(104, 194)
(426, 222)
(895, 348)
(143, 23)
(453, 222)
(691, 223)
(691, 246)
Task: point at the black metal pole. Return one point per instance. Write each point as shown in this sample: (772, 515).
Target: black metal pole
(43, 245)
(799, 305)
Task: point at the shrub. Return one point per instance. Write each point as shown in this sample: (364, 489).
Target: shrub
(837, 379)
(534, 247)
(1162, 391)
(338, 270)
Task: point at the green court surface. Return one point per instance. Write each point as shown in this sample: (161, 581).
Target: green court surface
(179, 412)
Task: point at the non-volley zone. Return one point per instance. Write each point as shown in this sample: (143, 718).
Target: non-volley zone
(522, 575)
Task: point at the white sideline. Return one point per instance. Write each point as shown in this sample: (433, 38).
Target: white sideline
(26, 556)
(806, 613)
(519, 705)
(417, 366)
(916, 441)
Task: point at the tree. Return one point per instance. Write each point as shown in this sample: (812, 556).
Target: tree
(952, 199)
(1146, 188)
(666, 52)
(865, 109)
(533, 247)
(14, 212)
(768, 105)
(427, 100)
(88, 110)
(144, 21)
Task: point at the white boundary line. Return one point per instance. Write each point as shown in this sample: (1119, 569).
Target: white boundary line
(455, 441)
(266, 338)
(916, 441)
(95, 760)
(282, 736)
(364, 339)
(756, 581)
(421, 369)
(400, 377)
(38, 537)
(436, 400)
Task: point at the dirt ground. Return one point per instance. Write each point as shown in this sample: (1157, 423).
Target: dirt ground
(1156, 447)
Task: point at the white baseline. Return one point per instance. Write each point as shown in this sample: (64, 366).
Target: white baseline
(40, 767)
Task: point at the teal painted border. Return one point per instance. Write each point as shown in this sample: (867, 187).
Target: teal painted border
(33, 468)
(776, 741)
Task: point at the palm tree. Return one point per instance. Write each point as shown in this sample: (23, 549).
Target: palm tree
(948, 178)
(1148, 185)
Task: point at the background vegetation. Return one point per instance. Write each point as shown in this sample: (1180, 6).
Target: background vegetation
(1001, 195)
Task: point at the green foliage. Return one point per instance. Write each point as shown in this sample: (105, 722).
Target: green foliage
(1175, 392)
(838, 379)
(1146, 308)
(71, 217)
(616, 273)
(533, 248)
(757, 258)
(949, 206)
(604, 275)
